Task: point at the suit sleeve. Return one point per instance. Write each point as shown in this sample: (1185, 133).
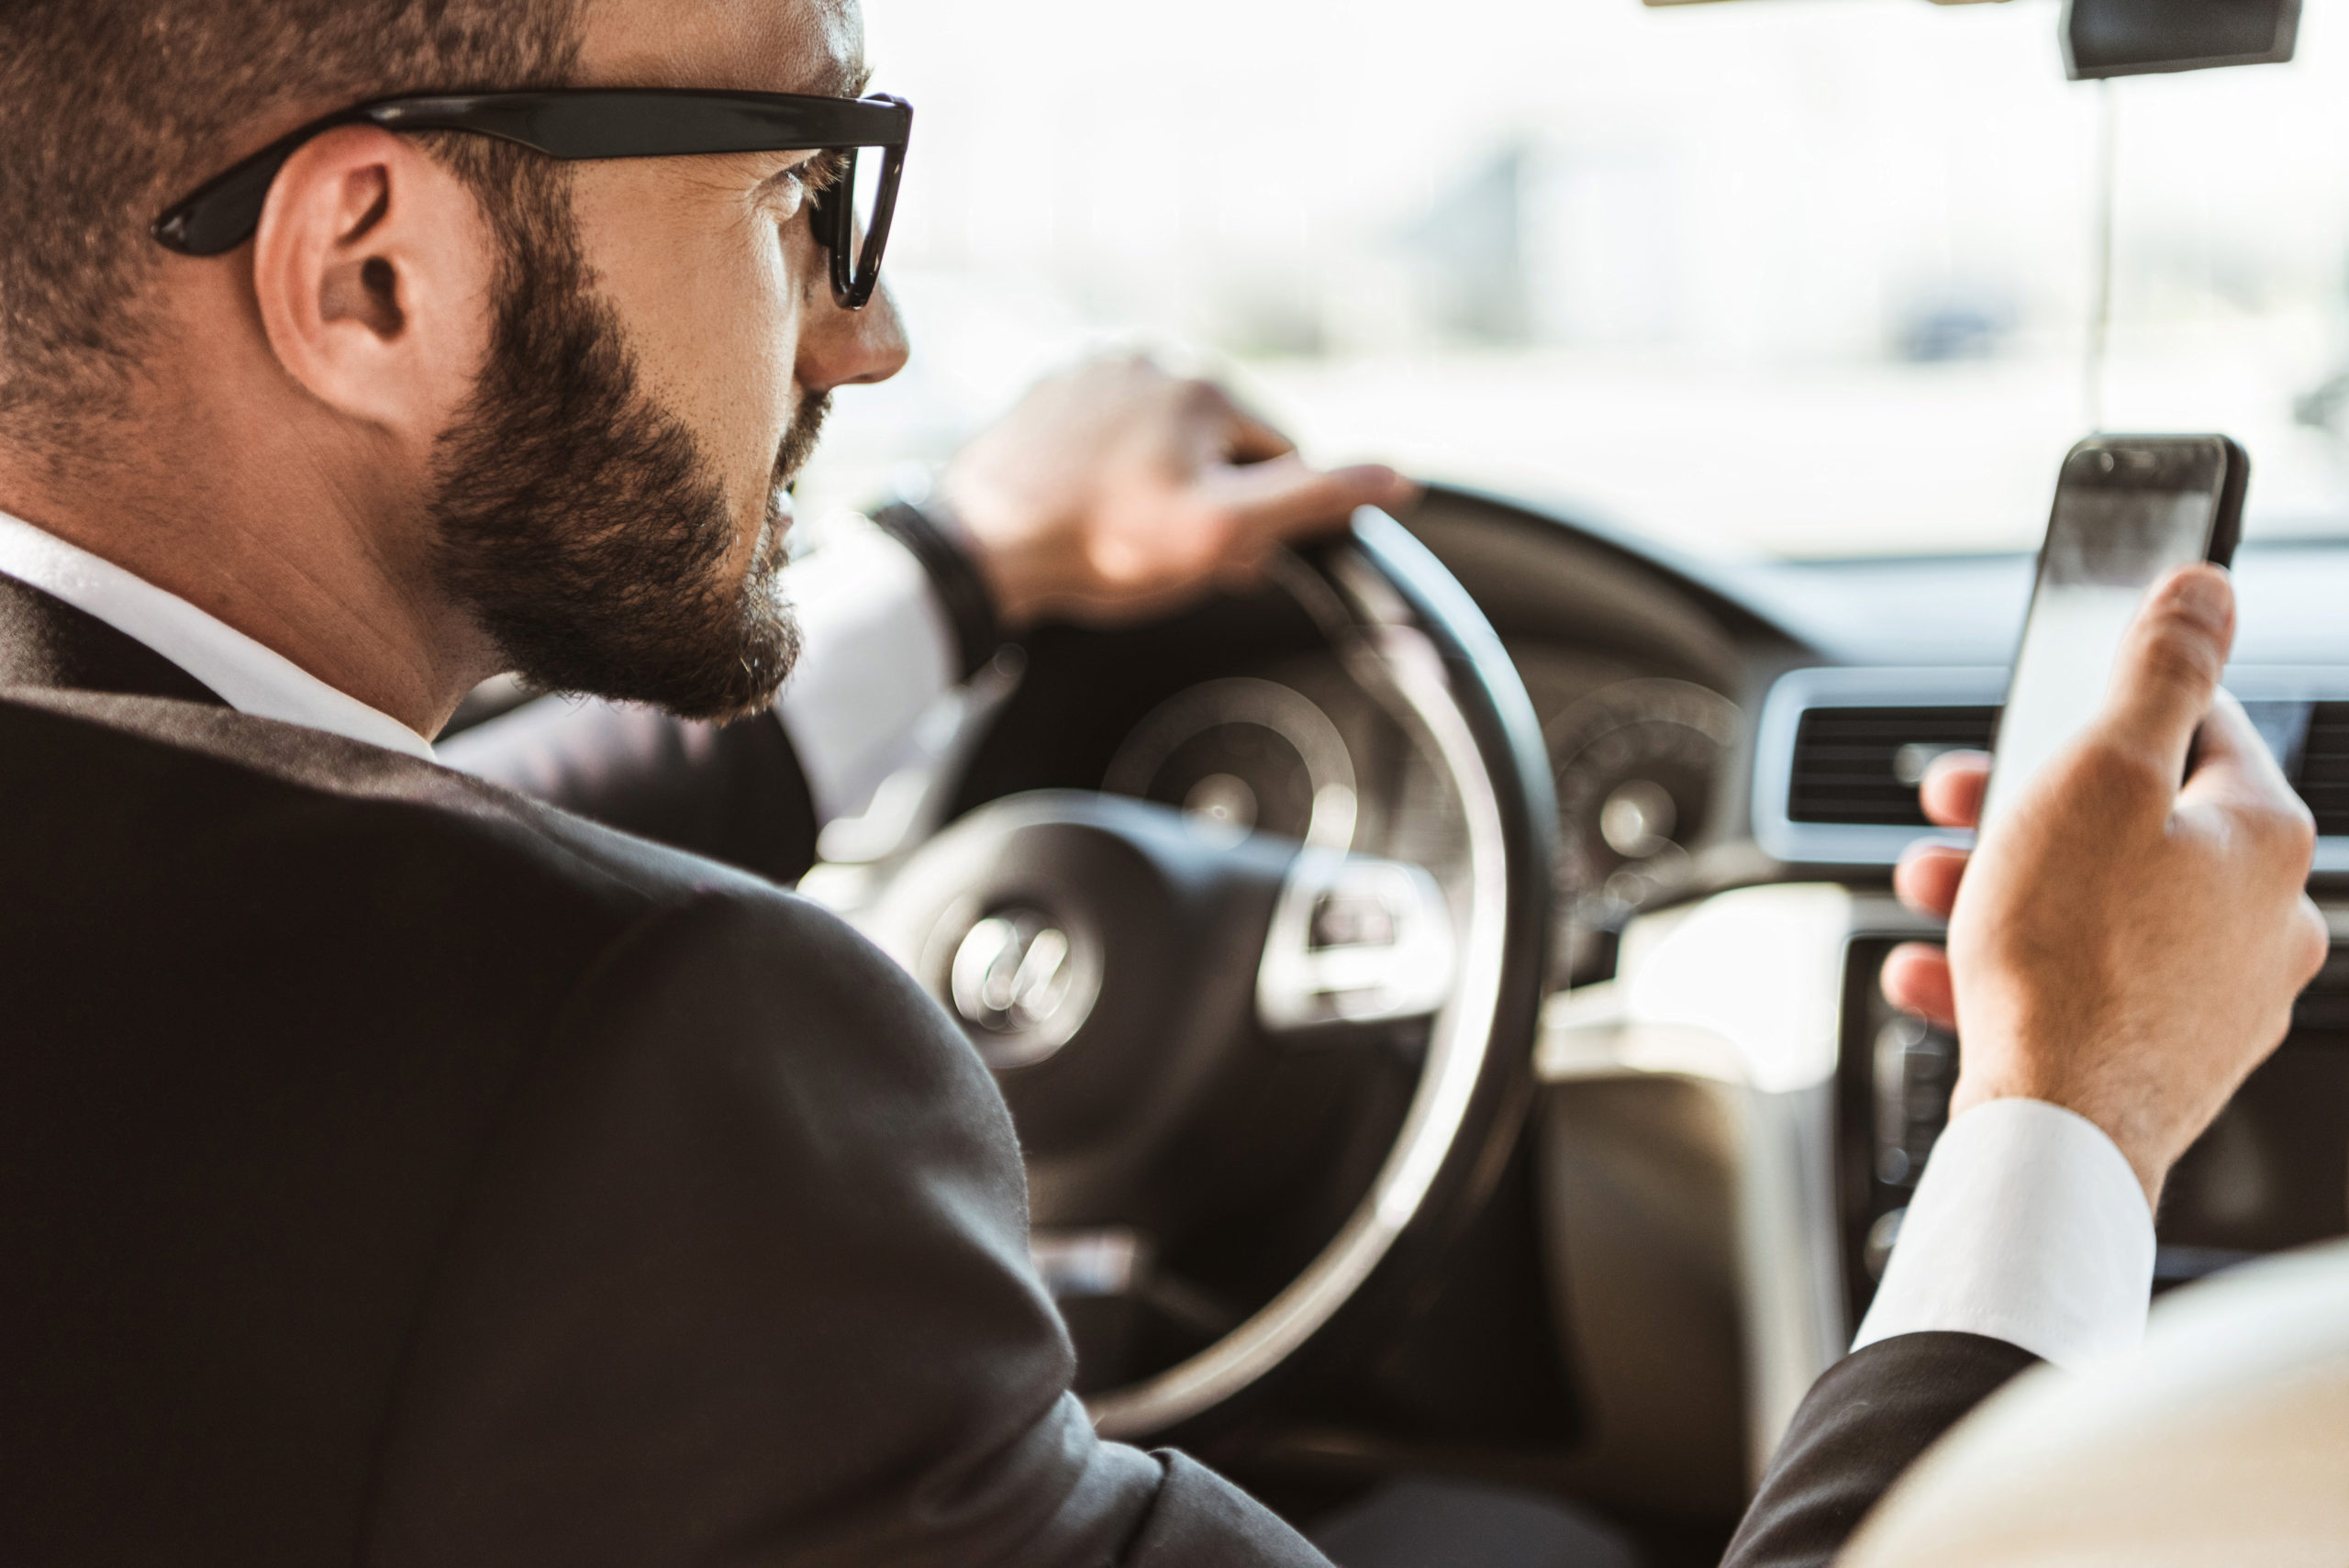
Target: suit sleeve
(1863, 1422)
(745, 1279)
(732, 793)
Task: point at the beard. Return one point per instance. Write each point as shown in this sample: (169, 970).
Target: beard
(580, 522)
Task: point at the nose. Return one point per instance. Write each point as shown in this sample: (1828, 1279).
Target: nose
(850, 348)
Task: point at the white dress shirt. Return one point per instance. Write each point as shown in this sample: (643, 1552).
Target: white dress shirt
(875, 652)
(2028, 1225)
(242, 672)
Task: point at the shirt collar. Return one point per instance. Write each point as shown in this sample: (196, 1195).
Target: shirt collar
(249, 677)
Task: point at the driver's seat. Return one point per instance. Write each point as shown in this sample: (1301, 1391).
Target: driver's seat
(2222, 1439)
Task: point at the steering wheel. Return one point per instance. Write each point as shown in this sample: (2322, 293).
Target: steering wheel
(1144, 987)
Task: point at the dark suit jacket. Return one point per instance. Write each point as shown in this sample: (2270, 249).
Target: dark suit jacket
(732, 793)
(395, 1171)
(1863, 1422)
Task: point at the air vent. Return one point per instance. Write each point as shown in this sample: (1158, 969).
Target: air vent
(1861, 765)
(1838, 753)
(2323, 780)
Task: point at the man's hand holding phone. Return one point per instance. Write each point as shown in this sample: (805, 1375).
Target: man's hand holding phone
(2120, 945)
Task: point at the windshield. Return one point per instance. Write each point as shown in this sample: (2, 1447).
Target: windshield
(1789, 277)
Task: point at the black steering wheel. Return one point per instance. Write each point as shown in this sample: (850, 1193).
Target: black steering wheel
(1150, 997)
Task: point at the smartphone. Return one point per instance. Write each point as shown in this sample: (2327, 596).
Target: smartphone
(2129, 509)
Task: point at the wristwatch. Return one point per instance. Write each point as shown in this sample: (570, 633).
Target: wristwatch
(968, 601)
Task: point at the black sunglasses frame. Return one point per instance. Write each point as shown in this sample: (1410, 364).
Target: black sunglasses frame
(590, 123)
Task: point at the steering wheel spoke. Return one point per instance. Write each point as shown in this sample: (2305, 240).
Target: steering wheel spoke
(1354, 940)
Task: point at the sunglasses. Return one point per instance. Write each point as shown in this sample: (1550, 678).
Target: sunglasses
(595, 123)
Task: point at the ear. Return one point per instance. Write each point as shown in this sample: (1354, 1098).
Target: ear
(372, 271)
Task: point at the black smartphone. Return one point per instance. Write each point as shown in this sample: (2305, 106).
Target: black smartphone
(2128, 511)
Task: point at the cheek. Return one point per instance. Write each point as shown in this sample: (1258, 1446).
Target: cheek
(712, 300)
(743, 317)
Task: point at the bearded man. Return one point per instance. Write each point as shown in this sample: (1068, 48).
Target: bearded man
(398, 1171)
(394, 1169)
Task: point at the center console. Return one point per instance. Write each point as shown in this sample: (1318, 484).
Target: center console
(2272, 1172)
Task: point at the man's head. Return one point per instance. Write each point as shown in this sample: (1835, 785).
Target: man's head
(510, 411)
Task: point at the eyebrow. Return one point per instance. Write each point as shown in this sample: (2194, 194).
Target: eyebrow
(846, 79)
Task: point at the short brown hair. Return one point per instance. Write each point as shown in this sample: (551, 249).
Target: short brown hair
(110, 108)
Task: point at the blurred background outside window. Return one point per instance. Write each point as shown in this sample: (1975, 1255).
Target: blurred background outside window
(1785, 277)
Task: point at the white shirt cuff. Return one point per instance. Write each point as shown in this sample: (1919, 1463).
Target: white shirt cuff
(875, 652)
(2028, 1226)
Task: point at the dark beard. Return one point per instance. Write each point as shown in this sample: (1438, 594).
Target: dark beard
(579, 521)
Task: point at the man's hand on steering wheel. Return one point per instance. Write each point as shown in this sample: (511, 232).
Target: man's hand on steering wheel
(1119, 491)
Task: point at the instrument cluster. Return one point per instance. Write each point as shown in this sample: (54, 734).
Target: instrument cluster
(1638, 758)
(1299, 750)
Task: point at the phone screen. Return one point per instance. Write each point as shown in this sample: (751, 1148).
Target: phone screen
(2125, 517)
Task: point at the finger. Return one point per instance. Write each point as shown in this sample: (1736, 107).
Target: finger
(1927, 878)
(1286, 497)
(1917, 980)
(1219, 427)
(2238, 791)
(2169, 665)
(1951, 792)
(1252, 439)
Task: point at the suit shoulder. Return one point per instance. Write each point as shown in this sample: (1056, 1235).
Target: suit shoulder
(743, 976)
(168, 763)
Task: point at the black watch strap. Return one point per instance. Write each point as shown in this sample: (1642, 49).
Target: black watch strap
(968, 601)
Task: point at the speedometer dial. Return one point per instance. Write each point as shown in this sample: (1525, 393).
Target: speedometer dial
(1240, 756)
(1636, 766)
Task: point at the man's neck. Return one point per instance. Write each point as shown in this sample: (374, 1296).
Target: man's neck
(346, 599)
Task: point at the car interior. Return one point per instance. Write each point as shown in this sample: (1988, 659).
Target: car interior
(1457, 1049)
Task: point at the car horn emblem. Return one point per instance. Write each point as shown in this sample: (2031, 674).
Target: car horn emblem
(1016, 977)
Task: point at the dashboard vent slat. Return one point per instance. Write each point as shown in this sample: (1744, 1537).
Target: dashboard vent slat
(1845, 760)
(2324, 779)
(1831, 787)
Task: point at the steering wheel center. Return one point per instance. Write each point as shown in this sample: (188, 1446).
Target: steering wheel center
(1017, 982)
(1101, 953)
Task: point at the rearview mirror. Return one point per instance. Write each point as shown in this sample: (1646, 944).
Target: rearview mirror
(2139, 37)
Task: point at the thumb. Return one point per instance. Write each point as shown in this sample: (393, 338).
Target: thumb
(2235, 765)
(2169, 665)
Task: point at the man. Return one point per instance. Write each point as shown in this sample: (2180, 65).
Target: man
(395, 1170)
(2122, 951)
(398, 1171)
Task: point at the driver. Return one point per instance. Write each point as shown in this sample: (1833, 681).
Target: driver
(397, 1169)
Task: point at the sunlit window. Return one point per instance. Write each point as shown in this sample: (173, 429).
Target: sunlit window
(1800, 277)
